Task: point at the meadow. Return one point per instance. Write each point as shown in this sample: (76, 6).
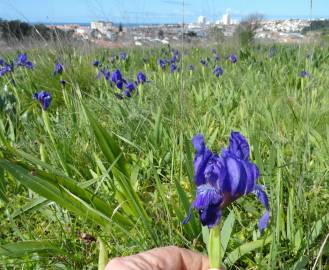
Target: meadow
(103, 173)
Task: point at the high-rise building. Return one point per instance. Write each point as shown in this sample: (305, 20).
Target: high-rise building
(226, 19)
(202, 20)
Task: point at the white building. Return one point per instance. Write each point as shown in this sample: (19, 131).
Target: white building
(226, 19)
(202, 20)
(102, 26)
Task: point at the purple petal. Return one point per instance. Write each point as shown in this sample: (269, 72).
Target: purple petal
(239, 146)
(210, 216)
(201, 159)
(198, 143)
(261, 196)
(206, 195)
(252, 174)
(236, 173)
(215, 172)
(263, 221)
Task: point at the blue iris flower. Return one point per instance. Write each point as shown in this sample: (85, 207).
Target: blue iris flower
(44, 98)
(304, 74)
(175, 52)
(162, 63)
(58, 68)
(106, 73)
(233, 58)
(173, 67)
(218, 71)
(117, 78)
(222, 179)
(5, 68)
(191, 67)
(127, 93)
(123, 56)
(204, 62)
(97, 63)
(217, 57)
(140, 78)
(130, 87)
(23, 61)
(174, 59)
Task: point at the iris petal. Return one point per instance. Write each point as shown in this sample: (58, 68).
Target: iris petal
(251, 177)
(201, 159)
(263, 221)
(206, 195)
(235, 174)
(207, 201)
(198, 143)
(239, 146)
(262, 197)
(210, 216)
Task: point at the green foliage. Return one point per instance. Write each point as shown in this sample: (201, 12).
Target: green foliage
(122, 170)
(316, 25)
(18, 30)
(246, 30)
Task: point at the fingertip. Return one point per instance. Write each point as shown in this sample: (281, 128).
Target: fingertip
(115, 264)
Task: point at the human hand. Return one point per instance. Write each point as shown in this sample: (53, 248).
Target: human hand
(166, 258)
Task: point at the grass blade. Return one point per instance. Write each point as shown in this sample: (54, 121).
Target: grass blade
(246, 248)
(19, 249)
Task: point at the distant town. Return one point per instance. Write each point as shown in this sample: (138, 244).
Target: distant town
(202, 31)
(106, 33)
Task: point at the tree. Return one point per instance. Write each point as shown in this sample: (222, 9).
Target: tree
(246, 30)
(160, 34)
(217, 34)
(17, 30)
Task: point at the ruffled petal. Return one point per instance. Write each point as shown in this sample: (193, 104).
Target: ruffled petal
(198, 143)
(239, 146)
(206, 195)
(215, 172)
(210, 216)
(207, 202)
(201, 159)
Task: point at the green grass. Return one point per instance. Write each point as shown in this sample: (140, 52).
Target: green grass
(121, 170)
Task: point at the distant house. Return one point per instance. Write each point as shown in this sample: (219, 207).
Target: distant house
(102, 26)
(96, 34)
(109, 35)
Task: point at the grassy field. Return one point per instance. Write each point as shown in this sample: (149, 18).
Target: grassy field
(95, 174)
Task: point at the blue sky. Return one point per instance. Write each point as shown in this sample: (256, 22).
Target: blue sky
(154, 11)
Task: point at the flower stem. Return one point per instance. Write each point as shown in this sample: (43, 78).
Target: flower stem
(215, 256)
